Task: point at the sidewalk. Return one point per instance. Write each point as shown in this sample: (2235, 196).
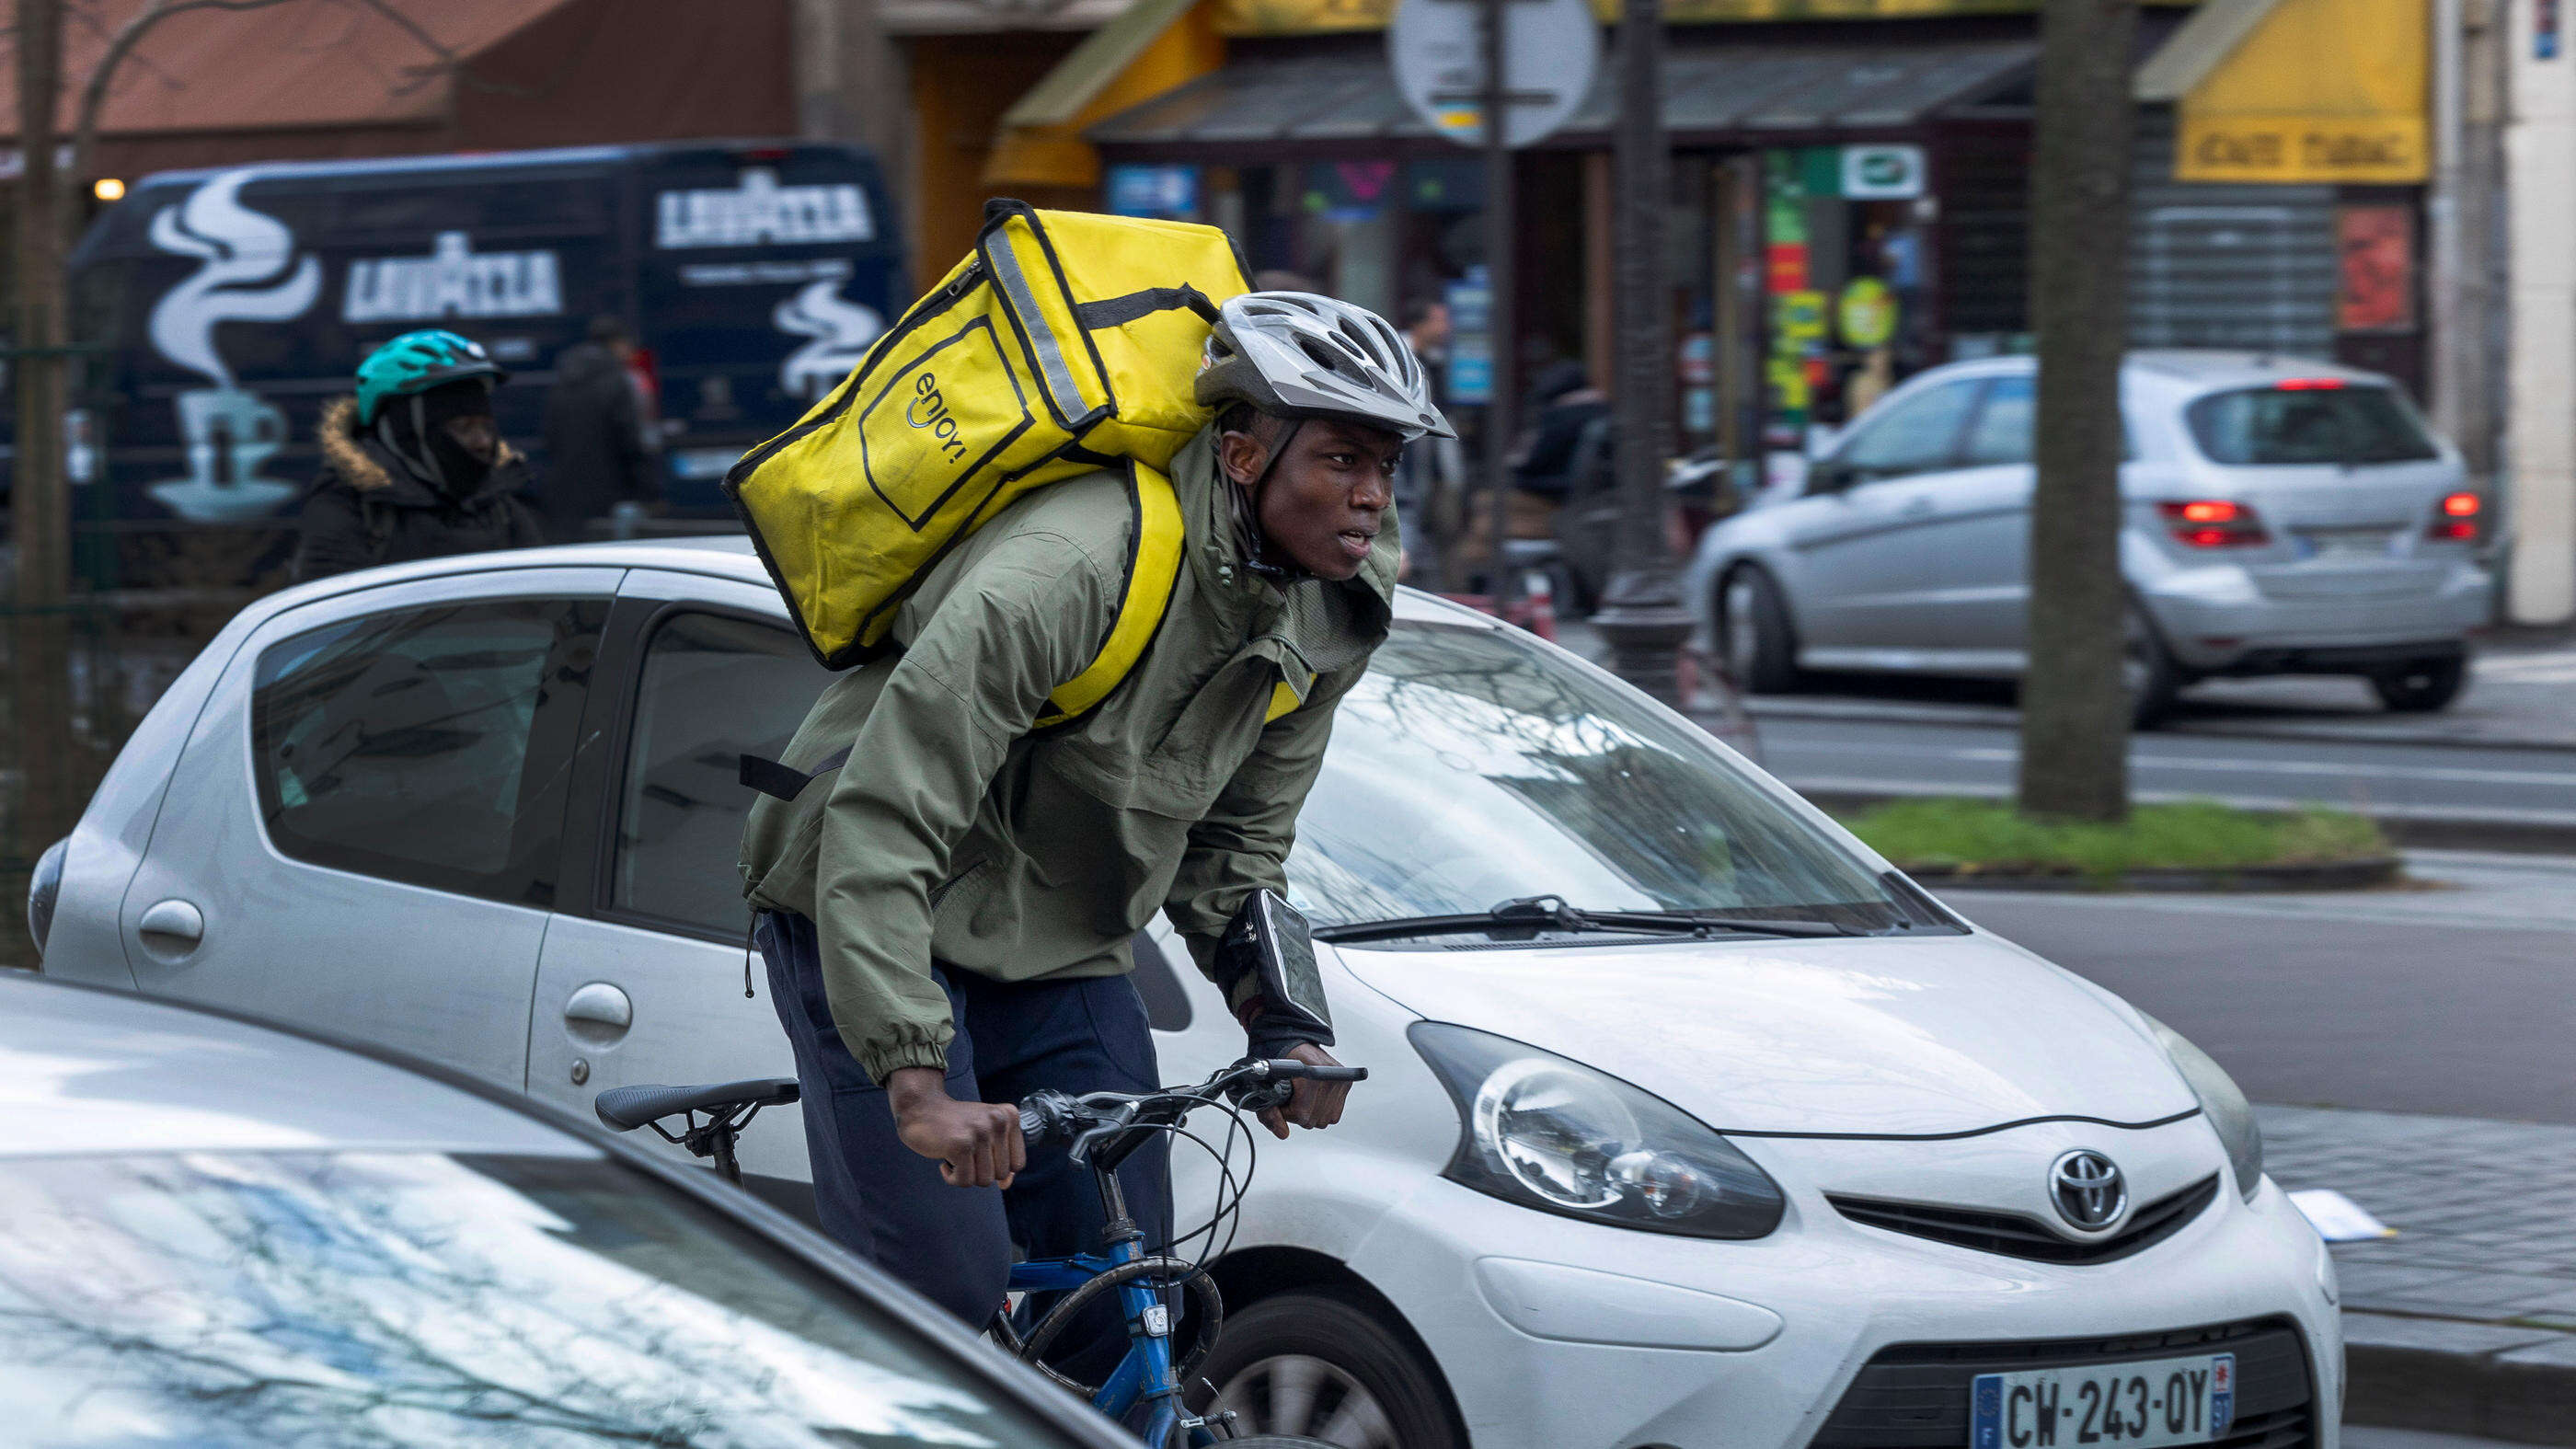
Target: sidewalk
(2520, 686)
(2465, 1322)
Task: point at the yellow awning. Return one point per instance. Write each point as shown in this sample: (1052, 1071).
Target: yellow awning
(1153, 46)
(2297, 91)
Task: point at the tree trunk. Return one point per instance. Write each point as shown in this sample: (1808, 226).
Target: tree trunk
(48, 797)
(39, 521)
(2075, 705)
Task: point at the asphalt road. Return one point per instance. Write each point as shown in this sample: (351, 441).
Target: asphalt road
(2521, 786)
(2455, 995)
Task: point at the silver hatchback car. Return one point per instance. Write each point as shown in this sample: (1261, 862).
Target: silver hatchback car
(2283, 517)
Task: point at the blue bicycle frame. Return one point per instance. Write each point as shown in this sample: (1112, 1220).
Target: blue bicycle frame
(1146, 1373)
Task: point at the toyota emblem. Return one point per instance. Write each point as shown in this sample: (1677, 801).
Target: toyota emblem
(2088, 1189)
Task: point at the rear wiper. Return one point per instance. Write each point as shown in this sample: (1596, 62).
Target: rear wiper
(1551, 913)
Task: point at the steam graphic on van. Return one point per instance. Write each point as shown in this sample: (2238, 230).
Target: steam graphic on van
(250, 275)
(842, 331)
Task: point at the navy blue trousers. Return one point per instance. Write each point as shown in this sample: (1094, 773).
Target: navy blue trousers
(889, 1205)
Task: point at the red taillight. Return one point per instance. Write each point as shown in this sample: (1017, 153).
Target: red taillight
(2308, 384)
(2213, 523)
(2459, 520)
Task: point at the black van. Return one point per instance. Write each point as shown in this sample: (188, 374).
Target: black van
(238, 302)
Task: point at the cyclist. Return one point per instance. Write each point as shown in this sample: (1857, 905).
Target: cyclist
(947, 917)
(413, 467)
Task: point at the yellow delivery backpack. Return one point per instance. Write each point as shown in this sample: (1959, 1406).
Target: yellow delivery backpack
(1066, 342)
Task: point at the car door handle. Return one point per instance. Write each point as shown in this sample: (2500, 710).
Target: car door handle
(1915, 508)
(171, 928)
(598, 1013)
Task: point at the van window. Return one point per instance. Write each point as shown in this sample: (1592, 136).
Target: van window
(2278, 426)
(427, 745)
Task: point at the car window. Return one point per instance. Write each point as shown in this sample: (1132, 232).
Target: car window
(714, 688)
(1914, 434)
(1471, 766)
(2002, 431)
(2308, 422)
(424, 1300)
(427, 745)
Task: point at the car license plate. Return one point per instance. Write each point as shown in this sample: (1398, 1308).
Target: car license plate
(2135, 1405)
(2345, 542)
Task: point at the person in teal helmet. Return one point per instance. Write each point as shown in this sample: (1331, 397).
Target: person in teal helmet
(413, 466)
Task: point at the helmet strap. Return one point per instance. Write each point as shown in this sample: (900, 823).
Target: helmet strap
(1247, 510)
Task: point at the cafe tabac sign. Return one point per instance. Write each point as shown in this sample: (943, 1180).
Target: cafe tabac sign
(2307, 148)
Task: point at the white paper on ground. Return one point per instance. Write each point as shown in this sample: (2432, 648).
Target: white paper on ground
(2338, 1219)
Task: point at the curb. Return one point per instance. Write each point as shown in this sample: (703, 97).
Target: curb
(2535, 833)
(1960, 715)
(2338, 875)
(2486, 1380)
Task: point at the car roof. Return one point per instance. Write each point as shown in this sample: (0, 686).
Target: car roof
(90, 1070)
(720, 555)
(2194, 369)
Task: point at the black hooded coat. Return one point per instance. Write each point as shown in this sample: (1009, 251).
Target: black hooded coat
(365, 508)
(595, 453)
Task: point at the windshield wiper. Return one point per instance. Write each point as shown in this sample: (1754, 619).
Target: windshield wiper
(1551, 913)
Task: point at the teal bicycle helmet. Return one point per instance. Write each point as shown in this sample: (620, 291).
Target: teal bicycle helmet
(415, 362)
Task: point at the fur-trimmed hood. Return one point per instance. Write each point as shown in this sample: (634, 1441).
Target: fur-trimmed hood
(353, 454)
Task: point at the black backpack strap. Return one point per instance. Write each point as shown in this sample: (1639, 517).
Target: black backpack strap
(780, 782)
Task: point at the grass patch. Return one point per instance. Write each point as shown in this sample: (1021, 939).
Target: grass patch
(1984, 835)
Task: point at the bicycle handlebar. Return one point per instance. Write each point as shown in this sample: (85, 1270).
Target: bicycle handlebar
(1252, 1084)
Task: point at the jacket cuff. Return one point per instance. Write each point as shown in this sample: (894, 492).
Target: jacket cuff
(884, 1060)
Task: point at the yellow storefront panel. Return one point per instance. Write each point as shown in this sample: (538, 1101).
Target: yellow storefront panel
(2317, 91)
(1243, 18)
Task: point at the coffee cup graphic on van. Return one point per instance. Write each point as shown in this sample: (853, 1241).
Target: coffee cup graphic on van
(250, 275)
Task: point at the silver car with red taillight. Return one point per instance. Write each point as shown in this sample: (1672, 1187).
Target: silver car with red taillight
(2284, 516)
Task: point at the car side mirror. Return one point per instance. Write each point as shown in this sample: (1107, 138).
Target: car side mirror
(1828, 475)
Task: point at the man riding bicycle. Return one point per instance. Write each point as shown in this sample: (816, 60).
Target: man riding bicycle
(946, 906)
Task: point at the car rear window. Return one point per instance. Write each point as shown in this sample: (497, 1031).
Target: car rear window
(2270, 426)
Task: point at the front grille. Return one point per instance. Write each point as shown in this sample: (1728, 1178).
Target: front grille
(1915, 1395)
(2016, 1236)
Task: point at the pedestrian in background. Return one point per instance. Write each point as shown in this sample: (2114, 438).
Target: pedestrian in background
(414, 467)
(1431, 473)
(598, 454)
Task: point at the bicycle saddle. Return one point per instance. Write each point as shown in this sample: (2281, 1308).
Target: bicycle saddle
(624, 1109)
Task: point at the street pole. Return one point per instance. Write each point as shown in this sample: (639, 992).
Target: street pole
(1501, 326)
(1641, 614)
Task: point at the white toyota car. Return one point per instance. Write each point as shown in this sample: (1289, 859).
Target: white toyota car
(1690, 1122)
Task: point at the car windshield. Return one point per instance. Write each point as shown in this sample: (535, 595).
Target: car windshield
(2308, 424)
(402, 1299)
(1472, 765)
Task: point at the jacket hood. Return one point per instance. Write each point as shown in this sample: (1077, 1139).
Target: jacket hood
(360, 463)
(1333, 624)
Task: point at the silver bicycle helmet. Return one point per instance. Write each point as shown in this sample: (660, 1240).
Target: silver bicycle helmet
(1303, 356)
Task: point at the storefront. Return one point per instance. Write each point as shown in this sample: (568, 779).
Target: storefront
(1846, 204)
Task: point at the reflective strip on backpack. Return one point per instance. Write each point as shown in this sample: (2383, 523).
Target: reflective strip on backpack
(1062, 393)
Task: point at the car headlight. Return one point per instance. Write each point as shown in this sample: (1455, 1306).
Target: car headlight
(2222, 1102)
(1557, 1136)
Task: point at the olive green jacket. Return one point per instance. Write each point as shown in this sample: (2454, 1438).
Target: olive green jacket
(953, 834)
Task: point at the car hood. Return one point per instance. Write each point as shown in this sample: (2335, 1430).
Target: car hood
(1917, 1037)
